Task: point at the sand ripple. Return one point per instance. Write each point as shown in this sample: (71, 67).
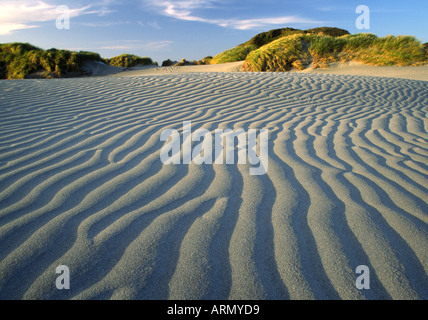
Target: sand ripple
(82, 184)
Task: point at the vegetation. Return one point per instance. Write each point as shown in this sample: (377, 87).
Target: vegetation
(318, 49)
(167, 63)
(274, 50)
(21, 60)
(129, 60)
(206, 60)
(274, 56)
(327, 31)
(184, 62)
(240, 52)
(425, 46)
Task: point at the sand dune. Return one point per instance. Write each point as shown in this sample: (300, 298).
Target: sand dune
(82, 185)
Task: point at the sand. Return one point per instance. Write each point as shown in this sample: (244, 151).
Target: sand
(357, 68)
(82, 185)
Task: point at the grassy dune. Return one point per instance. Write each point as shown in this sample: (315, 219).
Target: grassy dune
(23, 60)
(240, 52)
(20, 60)
(317, 50)
(128, 61)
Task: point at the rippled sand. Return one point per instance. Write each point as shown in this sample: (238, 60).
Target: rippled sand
(82, 185)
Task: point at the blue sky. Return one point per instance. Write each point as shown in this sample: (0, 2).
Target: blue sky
(192, 29)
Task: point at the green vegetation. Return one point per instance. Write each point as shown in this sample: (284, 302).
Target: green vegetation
(273, 56)
(274, 50)
(129, 60)
(167, 63)
(240, 52)
(184, 62)
(425, 45)
(206, 60)
(303, 49)
(327, 31)
(21, 60)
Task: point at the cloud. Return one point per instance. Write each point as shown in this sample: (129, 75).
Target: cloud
(24, 14)
(116, 47)
(137, 45)
(6, 28)
(104, 11)
(158, 45)
(152, 24)
(245, 24)
(184, 10)
(104, 23)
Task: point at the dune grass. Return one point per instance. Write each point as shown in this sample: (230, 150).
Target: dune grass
(128, 60)
(301, 50)
(389, 50)
(240, 52)
(19, 60)
(273, 57)
(23, 60)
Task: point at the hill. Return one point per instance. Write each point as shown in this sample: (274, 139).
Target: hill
(23, 60)
(128, 60)
(240, 52)
(287, 48)
(299, 51)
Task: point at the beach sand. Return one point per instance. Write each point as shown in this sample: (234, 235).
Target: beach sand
(82, 185)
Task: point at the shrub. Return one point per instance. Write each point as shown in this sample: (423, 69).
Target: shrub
(425, 46)
(129, 60)
(206, 60)
(167, 63)
(21, 60)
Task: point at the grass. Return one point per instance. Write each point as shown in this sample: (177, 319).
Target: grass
(280, 55)
(20, 60)
(240, 52)
(129, 60)
(389, 50)
(301, 50)
(23, 60)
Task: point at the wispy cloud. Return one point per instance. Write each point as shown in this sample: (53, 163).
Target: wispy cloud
(24, 14)
(158, 45)
(137, 45)
(104, 23)
(104, 11)
(244, 24)
(152, 24)
(185, 10)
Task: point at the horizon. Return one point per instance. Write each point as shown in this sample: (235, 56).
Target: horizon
(191, 29)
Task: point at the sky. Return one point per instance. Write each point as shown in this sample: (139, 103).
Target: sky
(192, 29)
